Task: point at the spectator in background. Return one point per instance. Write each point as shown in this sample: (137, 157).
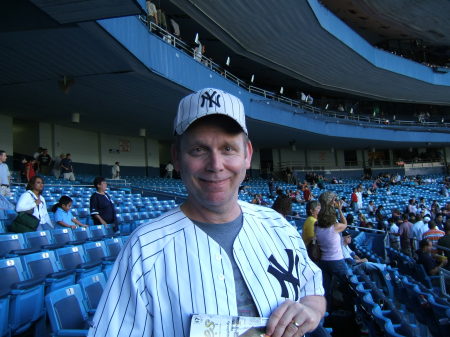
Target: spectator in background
(169, 170)
(394, 236)
(412, 206)
(34, 203)
(57, 166)
(101, 205)
(5, 176)
(307, 195)
(371, 208)
(44, 161)
(354, 200)
(23, 174)
(445, 242)
(424, 257)
(359, 193)
(37, 153)
(67, 168)
(419, 227)
(29, 169)
(312, 211)
(433, 235)
(439, 220)
(405, 231)
(283, 205)
(116, 170)
(380, 217)
(329, 239)
(63, 214)
(198, 52)
(151, 12)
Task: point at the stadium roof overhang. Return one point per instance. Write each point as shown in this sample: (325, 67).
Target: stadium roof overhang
(287, 36)
(51, 70)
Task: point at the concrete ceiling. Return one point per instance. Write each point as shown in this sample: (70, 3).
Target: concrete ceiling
(51, 70)
(286, 36)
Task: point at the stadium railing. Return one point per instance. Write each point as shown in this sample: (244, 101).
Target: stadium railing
(297, 104)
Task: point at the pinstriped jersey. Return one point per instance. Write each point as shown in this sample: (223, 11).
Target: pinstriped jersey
(170, 269)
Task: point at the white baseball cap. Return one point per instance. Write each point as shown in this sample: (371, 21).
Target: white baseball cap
(208, 101)
(427, 219)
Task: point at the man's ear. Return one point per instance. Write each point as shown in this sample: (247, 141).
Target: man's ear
(248, 159)
(175, 160)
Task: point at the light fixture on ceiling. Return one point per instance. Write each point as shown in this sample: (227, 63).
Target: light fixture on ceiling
(281, 90)
(76, 117)
(142, 132)
(196, 40)
(66, 83)
(252, 79)
(228, 61)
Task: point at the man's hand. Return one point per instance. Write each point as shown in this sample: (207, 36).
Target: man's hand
(294, 319)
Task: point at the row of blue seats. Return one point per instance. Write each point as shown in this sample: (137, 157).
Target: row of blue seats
(25, 279)
(17, 243)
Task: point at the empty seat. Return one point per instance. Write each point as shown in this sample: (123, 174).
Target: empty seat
(40, 239)
(92, 287)
(97, 232)
(67, 312)
(44, 265)
(26, 304)
(113, 246)
(74, 258)
(13, 244)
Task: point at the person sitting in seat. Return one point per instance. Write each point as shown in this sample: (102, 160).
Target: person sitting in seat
(424, 257)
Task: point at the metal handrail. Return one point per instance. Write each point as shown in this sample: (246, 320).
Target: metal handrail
(385, 122)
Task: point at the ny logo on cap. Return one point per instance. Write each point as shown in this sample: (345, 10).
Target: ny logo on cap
(207, 97)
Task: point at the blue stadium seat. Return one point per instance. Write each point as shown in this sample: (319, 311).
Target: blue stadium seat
(13, 244)
(44, 265)
(26, 304)
(62, 236)
(67, 312)
(97, 232)
(113, 246)
(92, 287)
(96, 252)
(73, 258)
(4, 311)
(81, 234)
(40, 240)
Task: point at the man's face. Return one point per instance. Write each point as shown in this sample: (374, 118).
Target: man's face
(212, 164)
(102, 187)
(347, 240)
(3, 158)
(439, 219)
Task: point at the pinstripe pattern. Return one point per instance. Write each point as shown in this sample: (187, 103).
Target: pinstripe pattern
(170, 269)
(197, 105)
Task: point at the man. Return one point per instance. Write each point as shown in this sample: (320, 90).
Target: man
(439, 220)
(445, 241)
(44, 160)
(66, 168)
(116, 170)
(5, 176)
(213, 254)
(354, 200)
(405, 232)
(433, 235)
(57, 165)
(419, 227)
(424, 257)
(169, 170)
(394, 236)
(101, 205)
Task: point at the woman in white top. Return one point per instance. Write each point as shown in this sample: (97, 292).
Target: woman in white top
(34, 203)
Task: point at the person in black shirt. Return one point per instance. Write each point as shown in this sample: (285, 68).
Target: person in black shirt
(424, 257)
(101, 205)
(44, 161)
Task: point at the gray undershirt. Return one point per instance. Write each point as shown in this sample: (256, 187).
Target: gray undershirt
(225, 234)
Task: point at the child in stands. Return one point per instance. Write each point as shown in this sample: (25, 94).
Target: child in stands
(63, 214)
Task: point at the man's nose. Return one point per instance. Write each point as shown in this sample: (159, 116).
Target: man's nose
(215, 162)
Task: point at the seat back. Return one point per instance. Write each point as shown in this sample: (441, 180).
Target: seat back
(62, 235)
(66, 309)
(9, 242)
(81, 234)
(37, 239)
(40, 264)
(113, 246)
(70, 257)
(92, 287)
(97, 232)
(11, 272)
(95, 251)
